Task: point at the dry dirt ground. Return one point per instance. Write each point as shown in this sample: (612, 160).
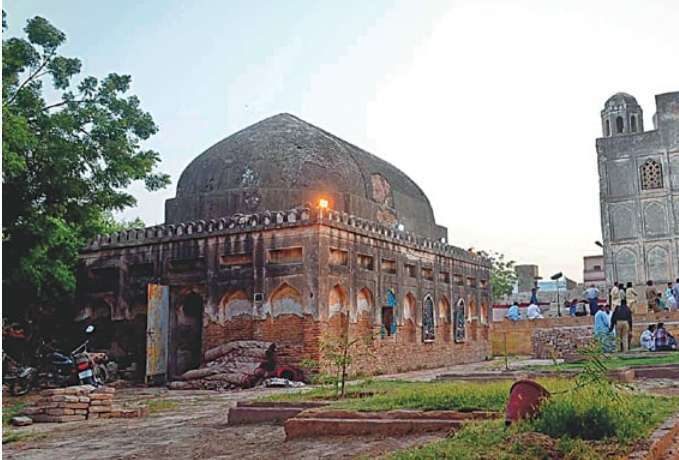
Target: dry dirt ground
(196, 427)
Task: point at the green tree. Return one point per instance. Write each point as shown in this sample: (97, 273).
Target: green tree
(502, 274)
(66, 163)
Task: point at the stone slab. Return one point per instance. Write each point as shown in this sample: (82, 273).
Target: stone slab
(401, 414)
(661, 441)
(304, 404)
(320, 427)
(246, 415)
(21, 421)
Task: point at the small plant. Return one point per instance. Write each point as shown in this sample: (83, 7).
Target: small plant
(338, 352)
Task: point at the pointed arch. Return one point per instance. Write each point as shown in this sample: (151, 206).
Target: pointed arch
(410, 317)
(657, 261)
(626, 265)
(428, 322)
(388, 314)
(365, 303)
(619, 124)
(459, 316)
(286, 300)
(444, 312)
(337, 301)
(234, 304)
(409, 307)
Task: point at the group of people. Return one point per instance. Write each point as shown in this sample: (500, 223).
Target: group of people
(626, 294)
(532, 312)
(614, 330)
(657, 338)
(613, 321)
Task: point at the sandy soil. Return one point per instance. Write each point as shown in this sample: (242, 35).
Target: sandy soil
(195, 428)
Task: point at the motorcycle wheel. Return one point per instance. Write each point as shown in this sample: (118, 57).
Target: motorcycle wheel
(21, 386)
(100, 374)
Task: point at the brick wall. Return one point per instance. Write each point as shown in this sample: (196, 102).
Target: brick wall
(298, 338)
(519, 334)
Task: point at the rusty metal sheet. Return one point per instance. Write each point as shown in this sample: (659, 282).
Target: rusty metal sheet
(157, 332)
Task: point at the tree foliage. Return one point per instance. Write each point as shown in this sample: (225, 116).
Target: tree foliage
(502, 274)
(66, 162)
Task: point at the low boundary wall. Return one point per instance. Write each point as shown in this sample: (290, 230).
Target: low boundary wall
(518, 335)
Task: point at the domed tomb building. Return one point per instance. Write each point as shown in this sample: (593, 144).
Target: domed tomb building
(283, 232)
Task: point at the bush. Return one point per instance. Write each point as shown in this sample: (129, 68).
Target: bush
(589, 414)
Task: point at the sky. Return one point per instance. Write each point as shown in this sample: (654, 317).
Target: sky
(491, 106)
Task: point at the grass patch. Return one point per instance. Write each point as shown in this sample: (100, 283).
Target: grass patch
(10, 411)
(588, 414)
(161, 405)
(614, 362)
(582, 424)
(391, 395)
(490, 439)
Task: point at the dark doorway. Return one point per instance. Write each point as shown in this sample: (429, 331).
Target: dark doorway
(188, 333)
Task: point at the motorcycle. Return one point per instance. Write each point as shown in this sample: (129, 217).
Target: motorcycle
(58, 369)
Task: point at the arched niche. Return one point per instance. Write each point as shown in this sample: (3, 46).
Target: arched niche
(286, 300)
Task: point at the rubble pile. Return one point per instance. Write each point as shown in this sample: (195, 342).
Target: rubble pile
(237, 364)
(78, 403)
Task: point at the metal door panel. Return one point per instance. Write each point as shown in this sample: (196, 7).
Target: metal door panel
(157, 332)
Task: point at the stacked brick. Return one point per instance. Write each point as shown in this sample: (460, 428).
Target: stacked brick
(560, 342)
(79, 403)
(61, 405)
(101, 403)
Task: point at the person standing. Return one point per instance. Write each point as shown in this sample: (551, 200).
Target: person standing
(534, 296)
(651, 297)
(602, 329)
(632, 298)
(670, 299)
(675, 289)
(621, 322)
(616, 296)
(592, 297)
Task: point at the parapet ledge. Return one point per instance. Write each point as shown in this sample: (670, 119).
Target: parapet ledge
(276, 219)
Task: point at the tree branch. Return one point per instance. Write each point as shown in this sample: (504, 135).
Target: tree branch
(59, 104)
(31, 77)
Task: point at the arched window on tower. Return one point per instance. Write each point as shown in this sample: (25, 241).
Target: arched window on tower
(633, 123)
(651, 175)
(608, 128)
(619, 125)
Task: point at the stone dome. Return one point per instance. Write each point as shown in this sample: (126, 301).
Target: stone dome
(283, 162)
(620, 100)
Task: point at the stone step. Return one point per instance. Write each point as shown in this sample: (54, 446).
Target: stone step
(319, 427)
(246, 415)
(400, 414)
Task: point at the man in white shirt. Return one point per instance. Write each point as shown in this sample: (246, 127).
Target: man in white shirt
(648, 338)
(533, 312)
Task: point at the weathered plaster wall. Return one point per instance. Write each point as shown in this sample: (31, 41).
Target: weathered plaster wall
(282, 277)
(640, 227)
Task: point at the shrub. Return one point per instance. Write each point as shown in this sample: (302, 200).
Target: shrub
(589, 414)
